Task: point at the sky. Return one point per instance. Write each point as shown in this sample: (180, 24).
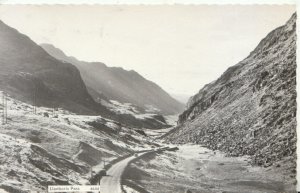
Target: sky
(179, 47)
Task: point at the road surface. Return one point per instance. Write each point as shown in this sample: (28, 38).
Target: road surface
(112, 182)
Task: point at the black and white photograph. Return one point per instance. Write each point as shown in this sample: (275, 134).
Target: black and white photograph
(137, 98)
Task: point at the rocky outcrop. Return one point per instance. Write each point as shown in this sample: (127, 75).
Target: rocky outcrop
(251, 108)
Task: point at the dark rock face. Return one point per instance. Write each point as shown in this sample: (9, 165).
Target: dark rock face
(119, 84)
(251, 108)
(26, 68)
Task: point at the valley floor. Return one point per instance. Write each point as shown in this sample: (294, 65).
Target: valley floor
(61, 148)
(195, 169)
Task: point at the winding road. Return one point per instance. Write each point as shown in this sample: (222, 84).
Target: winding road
(112, 182)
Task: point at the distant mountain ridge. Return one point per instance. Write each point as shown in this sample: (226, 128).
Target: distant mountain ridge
(115, 83)
(181, 97)
(251, 108)
(28, 73)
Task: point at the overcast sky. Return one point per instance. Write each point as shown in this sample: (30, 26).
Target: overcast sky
(181, 48)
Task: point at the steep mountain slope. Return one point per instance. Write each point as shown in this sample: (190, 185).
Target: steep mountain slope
(28, 72)
(251, 108)
(119, 84)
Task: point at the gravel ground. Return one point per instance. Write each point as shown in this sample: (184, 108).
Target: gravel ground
(197, 169)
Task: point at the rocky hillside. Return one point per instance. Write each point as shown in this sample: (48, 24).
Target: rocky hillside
(44, 149)
(251, 108)
(115, 83)
(28, 73)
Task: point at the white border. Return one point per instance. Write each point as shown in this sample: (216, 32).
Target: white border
(150, 2)
(189, 2)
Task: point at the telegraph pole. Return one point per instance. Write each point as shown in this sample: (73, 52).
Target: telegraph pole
(33, 101)
(34, 98)
(3, 109)
(91, 172)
